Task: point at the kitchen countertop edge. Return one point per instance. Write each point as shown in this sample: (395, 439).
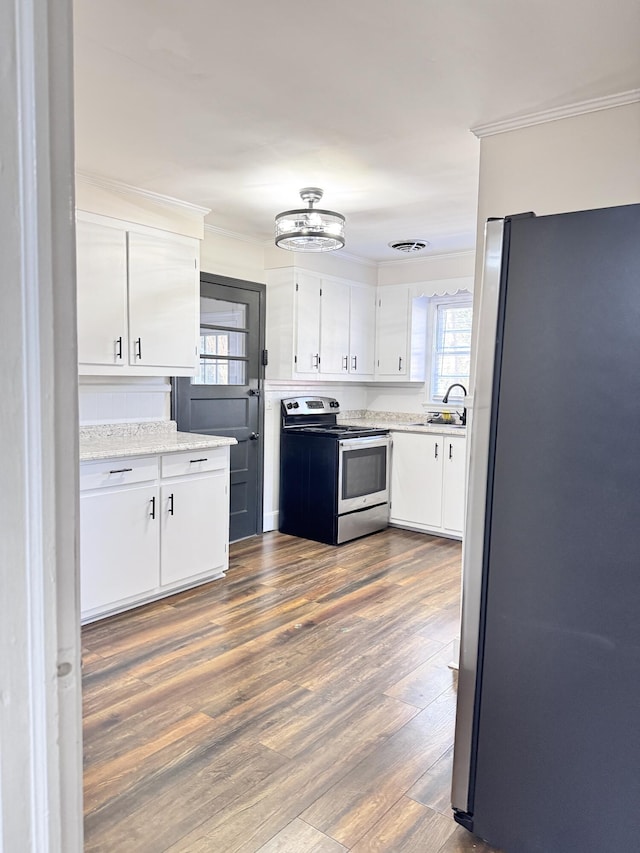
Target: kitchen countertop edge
(396, 426)
(112, 447)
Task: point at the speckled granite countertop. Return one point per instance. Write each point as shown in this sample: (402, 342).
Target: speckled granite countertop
(113, 441)
(398, 422)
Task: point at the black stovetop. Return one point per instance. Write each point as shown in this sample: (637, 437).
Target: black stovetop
(335, 430)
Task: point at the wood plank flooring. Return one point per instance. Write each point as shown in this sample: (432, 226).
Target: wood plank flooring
(303, 704)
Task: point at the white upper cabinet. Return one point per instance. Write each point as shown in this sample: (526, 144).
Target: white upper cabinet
(362, 326)
(137, 299)
(318, 327)
(102, 295)
(401, 335)
(163, 301)
(307, 326)
(393, 333)
(334, 327)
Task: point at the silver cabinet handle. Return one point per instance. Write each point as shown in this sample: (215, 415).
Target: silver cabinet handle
(345, 360)
(436, 453)
(354, 362)
(316, 360)
(450, 451)
(399, 363)
(203, 459)
(120, 470)
(118, 343)
(170, 508)
(138, 348)
(152, 514)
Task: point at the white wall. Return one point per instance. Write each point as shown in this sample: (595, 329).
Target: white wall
(225, 254)
(427, 268)
(578, 163)
(113, 399)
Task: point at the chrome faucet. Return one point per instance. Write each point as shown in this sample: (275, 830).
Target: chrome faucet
(445, 399)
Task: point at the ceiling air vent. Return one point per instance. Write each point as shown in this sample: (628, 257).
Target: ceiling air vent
(409, 245)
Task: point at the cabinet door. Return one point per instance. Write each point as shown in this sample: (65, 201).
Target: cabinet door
(362, 331)
(453, 491)
(119, 546)
(101, 254)
(163, 306)
(195, 527)
(307, 350)
(416, 479)
(334, 327)
(392, 331)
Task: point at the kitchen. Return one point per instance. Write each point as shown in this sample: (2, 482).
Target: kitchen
(575, 161)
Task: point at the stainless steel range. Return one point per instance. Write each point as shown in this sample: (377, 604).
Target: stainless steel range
(334, 479)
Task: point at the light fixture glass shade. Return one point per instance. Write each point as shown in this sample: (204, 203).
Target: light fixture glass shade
(310, 229)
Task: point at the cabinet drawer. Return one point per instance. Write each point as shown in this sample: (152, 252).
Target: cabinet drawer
(194, 461)
(117, 472)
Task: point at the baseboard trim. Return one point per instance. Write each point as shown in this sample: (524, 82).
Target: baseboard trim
(270, 521)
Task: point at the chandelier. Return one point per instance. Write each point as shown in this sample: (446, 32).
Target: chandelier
(309, 229)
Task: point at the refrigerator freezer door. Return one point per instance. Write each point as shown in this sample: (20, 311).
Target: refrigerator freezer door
(557, 743)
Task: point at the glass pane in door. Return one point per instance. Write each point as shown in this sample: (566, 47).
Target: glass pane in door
(216, 342)
(218, 371)
(218, 312)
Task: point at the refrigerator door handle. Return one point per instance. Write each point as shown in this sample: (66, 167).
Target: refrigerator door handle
(473, 543)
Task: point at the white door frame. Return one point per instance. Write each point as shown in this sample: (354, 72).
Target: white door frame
(40, 697)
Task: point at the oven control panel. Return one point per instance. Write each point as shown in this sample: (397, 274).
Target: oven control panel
(310, 405)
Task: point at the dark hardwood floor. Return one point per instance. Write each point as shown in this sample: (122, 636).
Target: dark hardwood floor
(304, 703)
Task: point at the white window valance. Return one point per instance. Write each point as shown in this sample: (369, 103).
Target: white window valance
(443, 287)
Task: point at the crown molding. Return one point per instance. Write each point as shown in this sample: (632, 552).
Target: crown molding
(356, 259)
(235, 235)
(126, 189)
(441, 256)
(580, 108)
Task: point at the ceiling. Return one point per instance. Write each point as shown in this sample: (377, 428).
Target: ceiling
(237, 104)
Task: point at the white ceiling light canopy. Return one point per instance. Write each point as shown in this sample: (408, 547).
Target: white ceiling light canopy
(310, 229)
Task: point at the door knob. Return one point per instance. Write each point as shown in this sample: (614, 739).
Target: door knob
(254, 436)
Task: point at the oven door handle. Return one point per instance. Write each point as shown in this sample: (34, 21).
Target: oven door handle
(368, 441)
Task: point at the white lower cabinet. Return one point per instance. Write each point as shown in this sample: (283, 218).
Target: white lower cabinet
(194, 527)
(428, 482)
(453, 483)
(416, 479)
(119, 545)
(150, 526)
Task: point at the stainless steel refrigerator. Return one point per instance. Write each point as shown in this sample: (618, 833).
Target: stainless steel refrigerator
(547, 752)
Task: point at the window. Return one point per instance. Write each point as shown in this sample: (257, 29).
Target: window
(451, 349)
(223, 343)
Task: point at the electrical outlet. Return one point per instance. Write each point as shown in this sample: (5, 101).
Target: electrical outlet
(268, 404)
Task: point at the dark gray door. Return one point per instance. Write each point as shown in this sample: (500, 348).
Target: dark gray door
(225, 397)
